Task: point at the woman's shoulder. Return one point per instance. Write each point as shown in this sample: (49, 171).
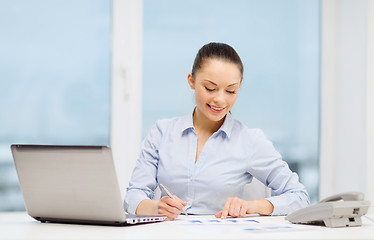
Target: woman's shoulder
(172, 120)
(171, 124)
(240, 127)
(248, 135)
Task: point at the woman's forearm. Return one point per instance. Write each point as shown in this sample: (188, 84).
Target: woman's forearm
(261, 206)
(147, 207)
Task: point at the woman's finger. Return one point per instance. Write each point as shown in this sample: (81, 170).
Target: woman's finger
(234, 209)
(169, 207)
(165, 210)
(243, 210)
(174, 203)
(219, 214)
(180, 200)
(226, 208)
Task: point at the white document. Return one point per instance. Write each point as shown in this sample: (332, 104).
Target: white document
(251, 225)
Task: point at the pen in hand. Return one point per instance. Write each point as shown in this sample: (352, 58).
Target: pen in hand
(170, 195)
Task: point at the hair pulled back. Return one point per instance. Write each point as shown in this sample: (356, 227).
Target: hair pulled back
(215, 50)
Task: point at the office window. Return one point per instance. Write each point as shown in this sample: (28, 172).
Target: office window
(54, 77)
(278, 42)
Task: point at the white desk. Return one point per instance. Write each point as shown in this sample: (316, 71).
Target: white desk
(20, 226)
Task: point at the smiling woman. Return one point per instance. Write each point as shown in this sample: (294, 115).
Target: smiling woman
(279, 43)
(211, 147)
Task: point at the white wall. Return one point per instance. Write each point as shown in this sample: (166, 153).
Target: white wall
(346, 104)
(126, 89)
(370, 106)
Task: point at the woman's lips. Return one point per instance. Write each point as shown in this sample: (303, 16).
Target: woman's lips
(216, 109)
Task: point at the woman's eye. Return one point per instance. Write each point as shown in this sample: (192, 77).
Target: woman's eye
(209, 89)
(231, 92)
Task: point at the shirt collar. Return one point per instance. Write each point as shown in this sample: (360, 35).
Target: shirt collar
(187, 123)
(226, 127)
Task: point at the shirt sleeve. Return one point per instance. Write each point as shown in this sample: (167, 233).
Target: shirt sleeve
(143, 180)
(267, 166)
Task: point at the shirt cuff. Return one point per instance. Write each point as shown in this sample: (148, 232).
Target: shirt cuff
(280, 209)
(132, 200)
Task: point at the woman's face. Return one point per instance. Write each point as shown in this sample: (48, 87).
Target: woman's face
(216, 87)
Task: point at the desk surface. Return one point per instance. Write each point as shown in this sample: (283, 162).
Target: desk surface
(18, 225)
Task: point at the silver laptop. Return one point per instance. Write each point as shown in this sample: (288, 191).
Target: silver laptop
(72, 184)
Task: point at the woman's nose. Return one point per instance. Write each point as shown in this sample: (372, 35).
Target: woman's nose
(219, 98)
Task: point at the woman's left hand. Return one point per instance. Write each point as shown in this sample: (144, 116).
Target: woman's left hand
(236, 207)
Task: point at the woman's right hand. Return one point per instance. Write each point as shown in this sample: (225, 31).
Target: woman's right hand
(170, 207)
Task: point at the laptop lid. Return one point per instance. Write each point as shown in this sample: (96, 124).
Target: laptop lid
(70, 184)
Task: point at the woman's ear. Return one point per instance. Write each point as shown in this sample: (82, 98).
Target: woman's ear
(191, 81)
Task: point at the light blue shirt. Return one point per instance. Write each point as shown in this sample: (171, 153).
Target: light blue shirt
(230, 158)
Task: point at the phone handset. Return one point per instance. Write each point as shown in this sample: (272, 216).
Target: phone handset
(348, 196)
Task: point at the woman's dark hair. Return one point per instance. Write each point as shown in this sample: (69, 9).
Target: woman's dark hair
(216, 50)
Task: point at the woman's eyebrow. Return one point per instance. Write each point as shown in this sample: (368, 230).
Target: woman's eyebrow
(210, 82)
(233, 84)
(216, 84)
